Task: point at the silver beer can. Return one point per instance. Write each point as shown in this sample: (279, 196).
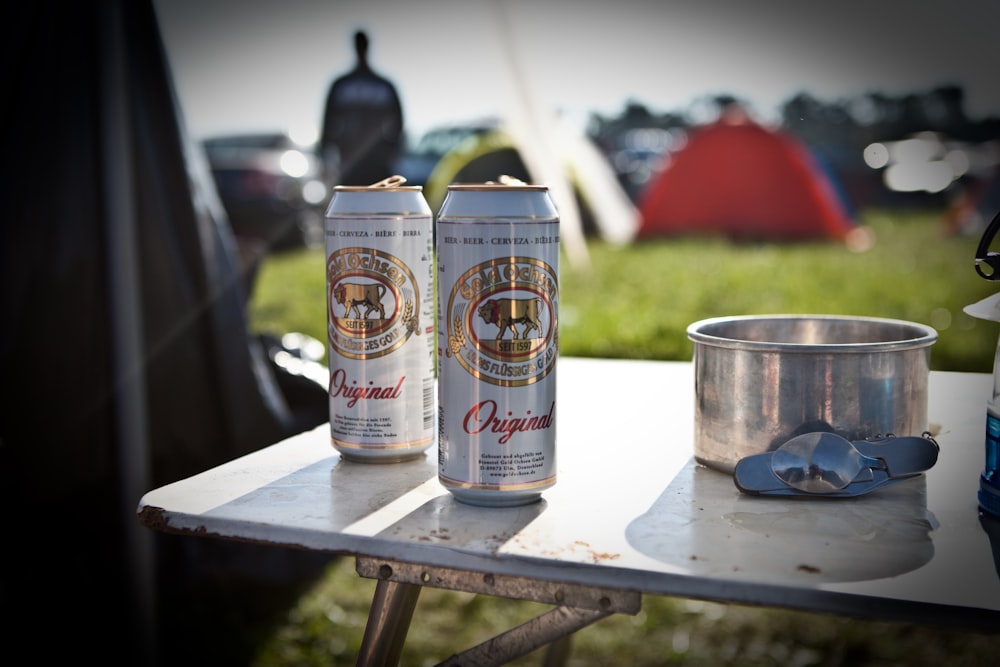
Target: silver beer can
(498, 314)
(380, 326)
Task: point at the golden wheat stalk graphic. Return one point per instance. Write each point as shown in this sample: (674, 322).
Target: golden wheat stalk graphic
(410, 319)
(456, 341)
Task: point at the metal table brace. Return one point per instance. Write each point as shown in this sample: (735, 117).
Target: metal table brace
(399, 587)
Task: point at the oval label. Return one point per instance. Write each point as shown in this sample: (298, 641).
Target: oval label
(373, 303)
(502, 323)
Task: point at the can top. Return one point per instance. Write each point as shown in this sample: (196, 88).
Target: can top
(373, 189)
(386, 199)
(392, 183)
(509, 201)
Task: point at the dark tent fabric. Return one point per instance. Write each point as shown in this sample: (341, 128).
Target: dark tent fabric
(737, 179)
(125, 353)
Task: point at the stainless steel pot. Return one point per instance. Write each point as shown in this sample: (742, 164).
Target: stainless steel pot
(761, 379)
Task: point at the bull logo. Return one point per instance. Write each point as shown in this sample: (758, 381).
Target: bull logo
(501, 321)
(352, 296)
(507, 313)
(373, 303)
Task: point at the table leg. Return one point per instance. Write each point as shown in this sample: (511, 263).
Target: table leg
(553, 626)
(577, 606)
(388, 621)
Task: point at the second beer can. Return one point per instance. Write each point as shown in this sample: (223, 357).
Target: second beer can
(380, 327)
(498, 305)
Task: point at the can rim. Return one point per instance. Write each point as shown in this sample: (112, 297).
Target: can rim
(493, 187)
(367, 188)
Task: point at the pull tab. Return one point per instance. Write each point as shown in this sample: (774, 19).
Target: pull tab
(984, 256)
(391, 182)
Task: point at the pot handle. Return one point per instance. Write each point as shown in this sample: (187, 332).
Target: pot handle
(983, 254)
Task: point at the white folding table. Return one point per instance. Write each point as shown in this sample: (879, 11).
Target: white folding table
(631, 514)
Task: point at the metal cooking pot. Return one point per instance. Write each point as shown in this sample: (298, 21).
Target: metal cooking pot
(761, 379)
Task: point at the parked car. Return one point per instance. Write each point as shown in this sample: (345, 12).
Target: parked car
(271, 188)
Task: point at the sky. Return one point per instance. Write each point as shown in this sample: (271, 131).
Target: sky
(261, 65)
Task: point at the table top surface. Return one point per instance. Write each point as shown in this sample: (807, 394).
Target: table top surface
(632, 510)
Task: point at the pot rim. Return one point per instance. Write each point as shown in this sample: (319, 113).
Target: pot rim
(923, 335)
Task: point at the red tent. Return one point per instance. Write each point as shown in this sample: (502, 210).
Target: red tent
(738, 179)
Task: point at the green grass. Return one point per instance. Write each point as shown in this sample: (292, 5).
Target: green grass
(637, 301)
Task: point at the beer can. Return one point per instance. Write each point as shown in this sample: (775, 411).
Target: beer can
(380, 326)
(498, 304)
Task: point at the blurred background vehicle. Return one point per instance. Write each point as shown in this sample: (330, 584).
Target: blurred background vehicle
(271, 188)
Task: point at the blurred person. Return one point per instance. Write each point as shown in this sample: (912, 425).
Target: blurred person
(362, 124)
